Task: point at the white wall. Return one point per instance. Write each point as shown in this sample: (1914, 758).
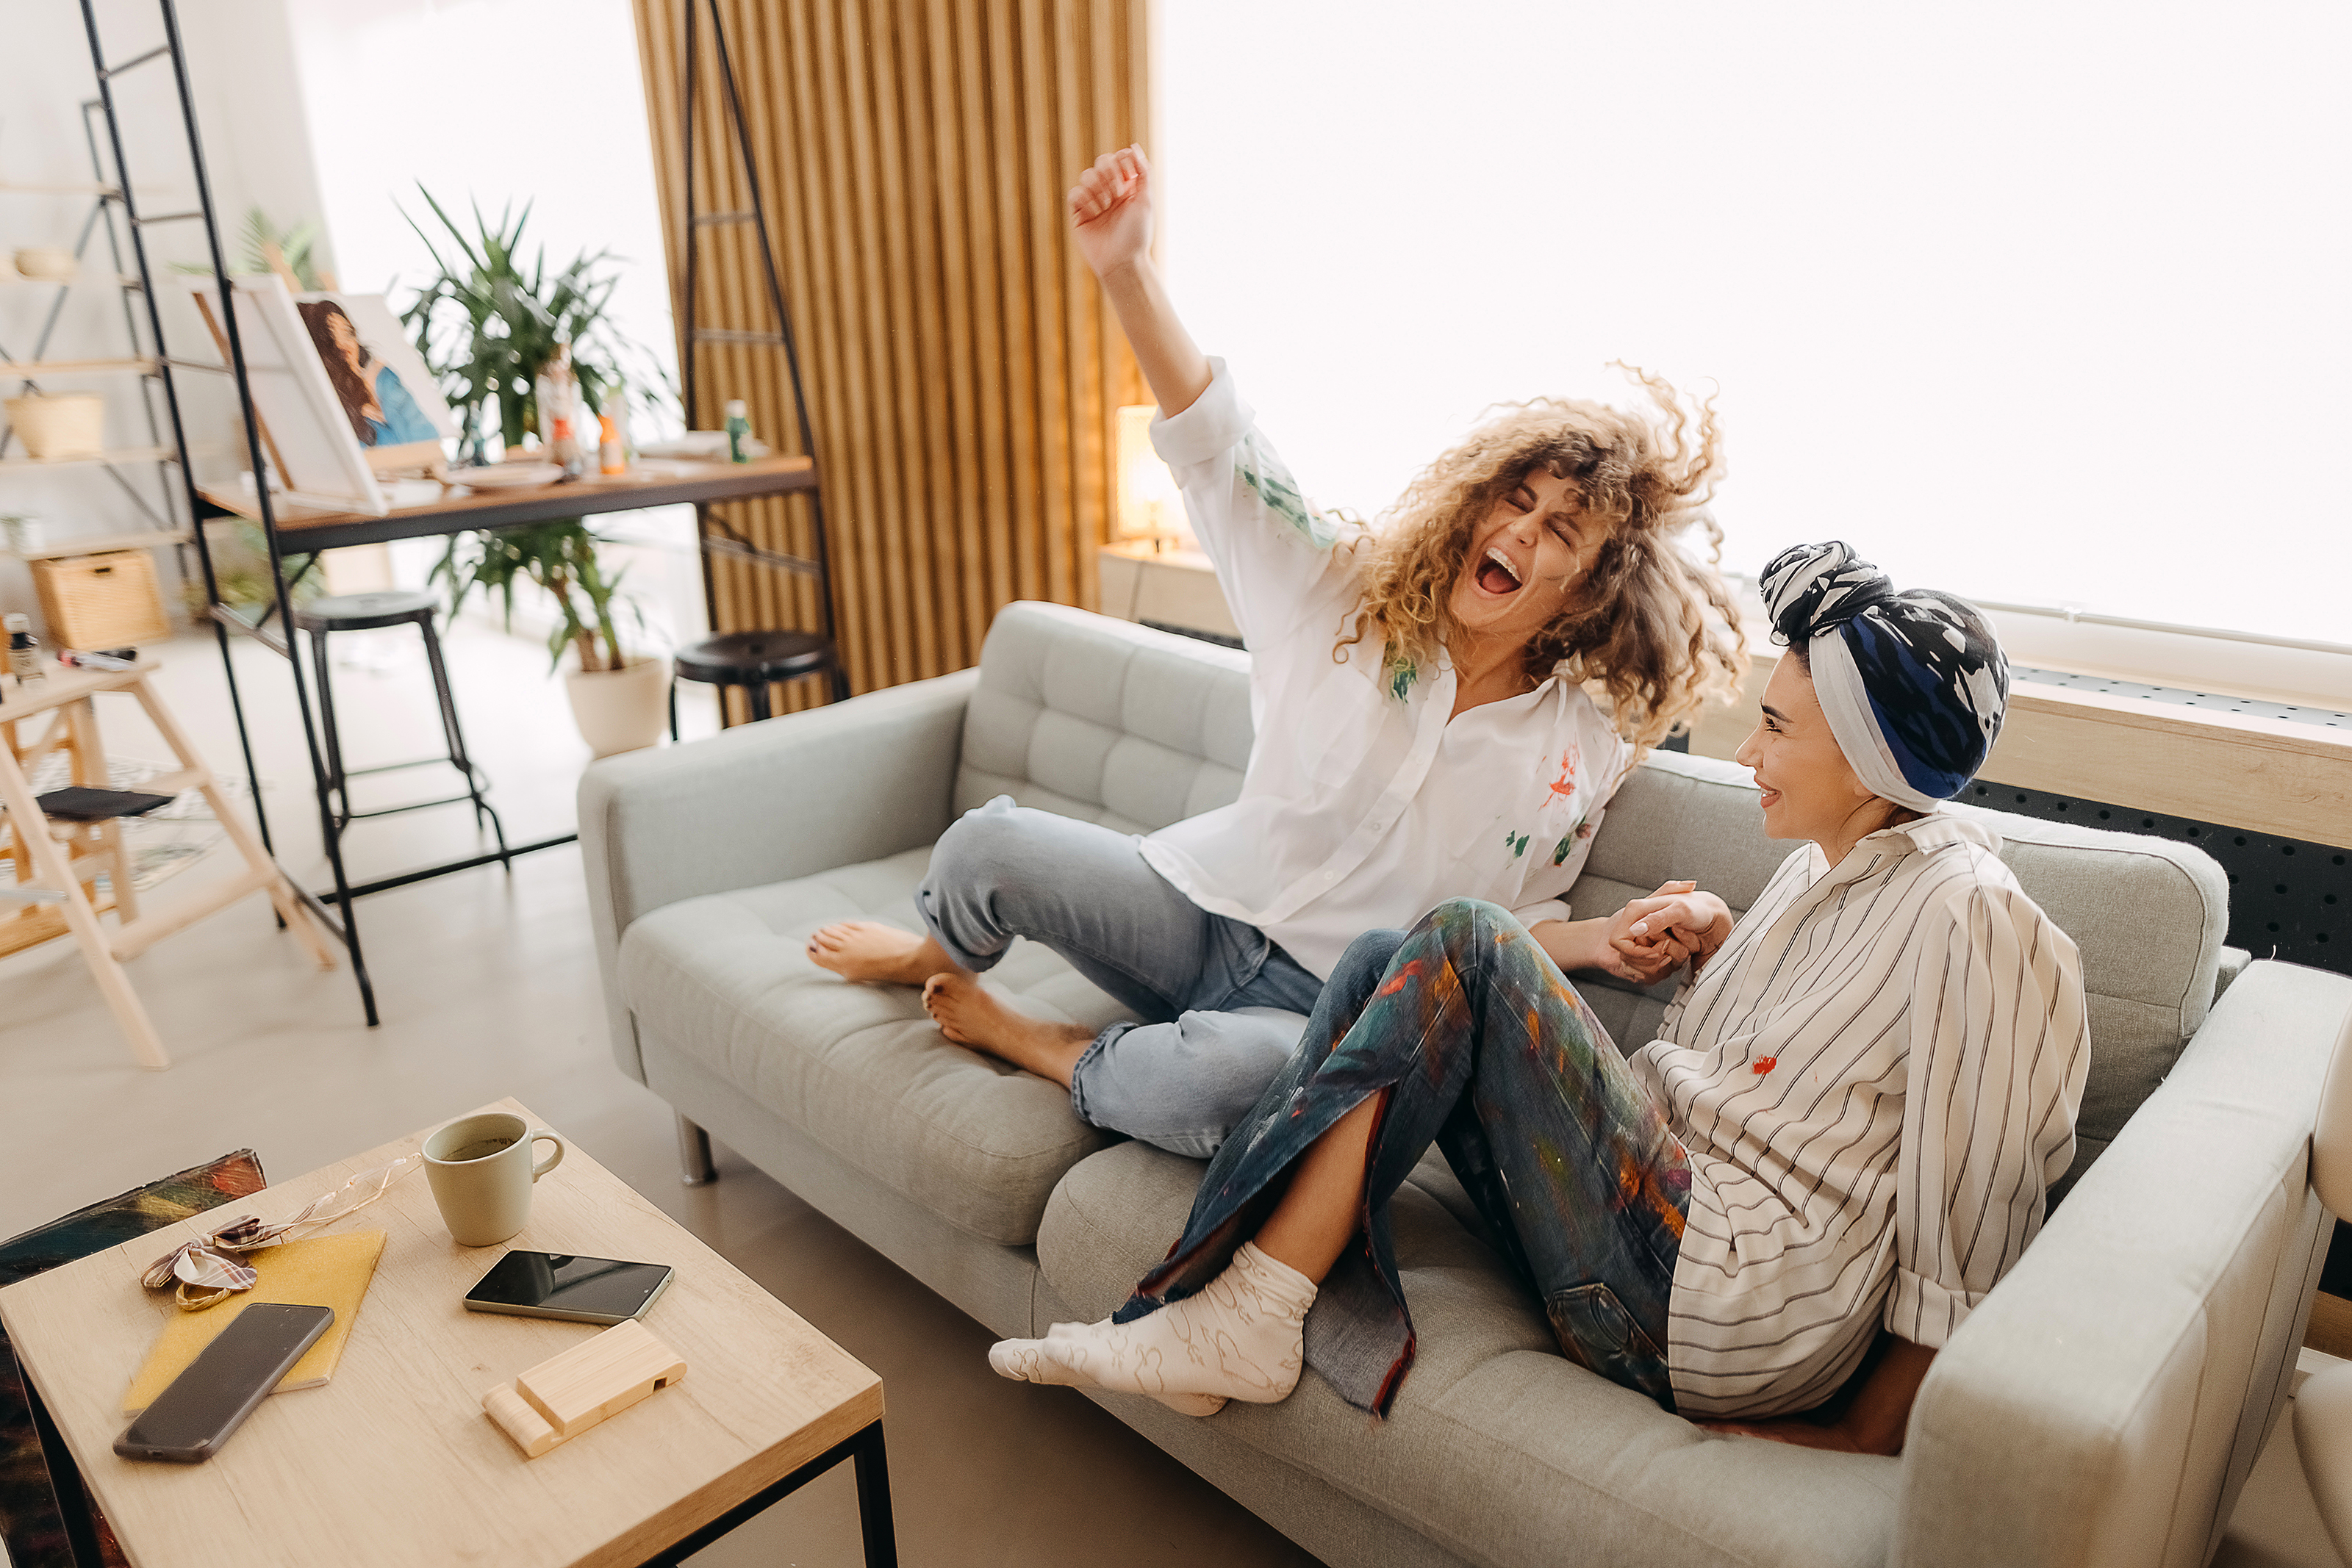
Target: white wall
(2039, 302)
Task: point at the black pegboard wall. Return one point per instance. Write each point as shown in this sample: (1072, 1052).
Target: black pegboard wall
(2288, 899)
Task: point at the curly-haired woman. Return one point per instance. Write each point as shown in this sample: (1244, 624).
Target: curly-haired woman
(1848, 1122)
(1426, 728)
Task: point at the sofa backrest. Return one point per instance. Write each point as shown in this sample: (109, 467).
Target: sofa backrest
(1134, 729)
(1104, 720)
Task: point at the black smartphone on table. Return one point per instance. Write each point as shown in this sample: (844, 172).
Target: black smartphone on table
(194, 1416)
(579, 1290)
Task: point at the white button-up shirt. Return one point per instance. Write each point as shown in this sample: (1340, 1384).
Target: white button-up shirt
(1875, 1078)
(1363, 806)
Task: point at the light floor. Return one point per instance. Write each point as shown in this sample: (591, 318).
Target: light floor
(487, 986)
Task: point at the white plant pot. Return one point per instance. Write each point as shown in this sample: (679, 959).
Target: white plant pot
(620, 710)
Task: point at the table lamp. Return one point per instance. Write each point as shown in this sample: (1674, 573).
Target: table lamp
(1149, 505)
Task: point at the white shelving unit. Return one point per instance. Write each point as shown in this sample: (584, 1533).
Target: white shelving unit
(157, 509)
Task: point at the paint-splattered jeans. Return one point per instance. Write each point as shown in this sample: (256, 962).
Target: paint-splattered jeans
(1485, 1050)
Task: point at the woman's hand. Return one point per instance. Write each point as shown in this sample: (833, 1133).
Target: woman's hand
(1698, 922)
(1613, 946)
(1111, 219)
(1110, 210)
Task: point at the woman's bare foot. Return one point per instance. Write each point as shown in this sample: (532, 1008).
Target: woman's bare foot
(869, 951)
(968, 1016)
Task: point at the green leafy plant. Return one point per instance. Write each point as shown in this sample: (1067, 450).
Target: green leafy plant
(241, 567)
(488, 323)
(560, 557)
(265, 245)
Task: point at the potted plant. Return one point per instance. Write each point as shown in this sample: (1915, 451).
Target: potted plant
(618, 702)
(488, 324)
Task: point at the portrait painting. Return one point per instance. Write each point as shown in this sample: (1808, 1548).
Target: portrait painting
(388, 397)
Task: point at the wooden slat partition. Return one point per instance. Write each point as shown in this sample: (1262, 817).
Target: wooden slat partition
(961, 368)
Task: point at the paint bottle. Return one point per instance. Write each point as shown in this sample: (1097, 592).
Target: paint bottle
(23, 652)
(612, 430)
(738, 431)
(558, 391)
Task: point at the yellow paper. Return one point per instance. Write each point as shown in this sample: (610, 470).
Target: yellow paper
(323, 1271)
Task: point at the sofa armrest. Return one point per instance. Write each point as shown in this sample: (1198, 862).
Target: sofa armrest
(2106, 1401)
(764, 802)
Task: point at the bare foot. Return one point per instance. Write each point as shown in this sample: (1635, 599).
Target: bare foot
(969, 1016)
(869, 951)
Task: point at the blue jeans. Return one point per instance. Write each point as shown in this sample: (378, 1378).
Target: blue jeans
(1481, 1047)
(1221, 1003)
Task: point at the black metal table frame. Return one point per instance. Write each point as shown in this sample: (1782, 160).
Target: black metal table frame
(865, 1447)
(332, 904)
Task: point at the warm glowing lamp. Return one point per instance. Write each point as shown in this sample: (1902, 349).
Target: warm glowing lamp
(1150, 506)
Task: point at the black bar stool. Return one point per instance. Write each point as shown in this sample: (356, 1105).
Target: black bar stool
(366, 612)
(755, 661)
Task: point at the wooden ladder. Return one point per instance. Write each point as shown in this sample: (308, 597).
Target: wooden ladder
(58, 863)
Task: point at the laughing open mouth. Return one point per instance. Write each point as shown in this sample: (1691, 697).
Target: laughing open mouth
(1497, 574)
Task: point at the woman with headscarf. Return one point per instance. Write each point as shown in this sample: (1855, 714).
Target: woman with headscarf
(1848, 1121)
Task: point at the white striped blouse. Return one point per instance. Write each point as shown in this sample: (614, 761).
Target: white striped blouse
(1877, 1079)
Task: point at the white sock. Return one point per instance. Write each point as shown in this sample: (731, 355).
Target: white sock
(1241, 1337)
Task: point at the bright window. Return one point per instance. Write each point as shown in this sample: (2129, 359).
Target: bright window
(2041, 303)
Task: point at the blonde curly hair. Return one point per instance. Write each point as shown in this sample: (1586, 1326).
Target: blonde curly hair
(1651, 631)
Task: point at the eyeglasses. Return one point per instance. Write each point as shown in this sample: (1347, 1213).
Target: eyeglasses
(208, 1271)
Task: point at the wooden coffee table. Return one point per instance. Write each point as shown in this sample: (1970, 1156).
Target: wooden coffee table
(393, 1461)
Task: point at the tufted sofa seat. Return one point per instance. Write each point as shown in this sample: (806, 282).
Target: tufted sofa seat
(2104, 1405)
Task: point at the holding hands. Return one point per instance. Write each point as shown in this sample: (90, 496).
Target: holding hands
(1651, 937)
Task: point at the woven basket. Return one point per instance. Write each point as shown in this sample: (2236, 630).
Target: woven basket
(73, 425)
(102, 601)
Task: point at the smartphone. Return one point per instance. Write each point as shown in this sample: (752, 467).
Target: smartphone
(193, 1417)
(581, 1289)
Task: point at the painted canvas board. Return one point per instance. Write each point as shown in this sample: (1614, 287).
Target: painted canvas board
(311, 438)
(387, 394)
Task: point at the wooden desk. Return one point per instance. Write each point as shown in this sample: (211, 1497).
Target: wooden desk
(305, 530)
(655, 482)
(393, 1462)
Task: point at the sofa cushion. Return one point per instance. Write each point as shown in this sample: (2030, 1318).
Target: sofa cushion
(726, 980)
(1498, 1446)
(1104, 721)
(2148, 913)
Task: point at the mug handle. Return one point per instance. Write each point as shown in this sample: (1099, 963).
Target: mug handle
(539, 1135)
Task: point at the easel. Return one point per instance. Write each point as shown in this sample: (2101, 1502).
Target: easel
(58, 863)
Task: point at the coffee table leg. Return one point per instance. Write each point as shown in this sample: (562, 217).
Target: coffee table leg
(73, 1503)
(874, 1500)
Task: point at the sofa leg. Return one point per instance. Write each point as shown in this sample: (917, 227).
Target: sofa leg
(693, 1155)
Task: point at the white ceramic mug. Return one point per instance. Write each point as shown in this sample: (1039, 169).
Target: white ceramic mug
(481, 1174)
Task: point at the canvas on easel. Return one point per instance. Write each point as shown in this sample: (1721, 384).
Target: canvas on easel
(311, 440)
(387, 394)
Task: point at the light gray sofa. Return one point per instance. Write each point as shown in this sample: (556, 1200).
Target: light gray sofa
(2104, 1407)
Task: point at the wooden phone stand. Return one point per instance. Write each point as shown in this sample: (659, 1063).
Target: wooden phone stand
(565, 1396)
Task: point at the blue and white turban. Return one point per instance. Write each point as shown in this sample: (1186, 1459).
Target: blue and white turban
(1914, 685)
